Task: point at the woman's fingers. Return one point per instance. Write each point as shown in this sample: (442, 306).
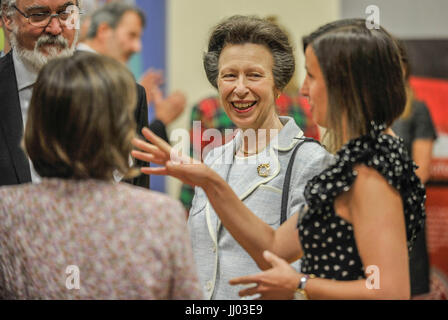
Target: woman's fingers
(147, 157)
(160, 149)
(250, 291)
(273, 259)
(158, 171)
(157, 141)
(251, 279)
(147, 149)
(173, 161)
(142, 145)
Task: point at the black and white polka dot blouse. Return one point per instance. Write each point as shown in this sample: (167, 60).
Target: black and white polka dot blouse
(328, 241)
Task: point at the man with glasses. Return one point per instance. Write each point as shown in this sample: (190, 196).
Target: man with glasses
(115, 30)
(39, 30)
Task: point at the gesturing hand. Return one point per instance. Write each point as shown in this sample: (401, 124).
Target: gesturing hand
(277, 283)
(150, 80)
(173, 163)
(168, 109)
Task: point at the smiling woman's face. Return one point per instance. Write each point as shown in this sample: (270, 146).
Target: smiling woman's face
(246, 85)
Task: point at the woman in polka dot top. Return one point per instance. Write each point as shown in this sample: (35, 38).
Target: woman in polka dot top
(364, 211)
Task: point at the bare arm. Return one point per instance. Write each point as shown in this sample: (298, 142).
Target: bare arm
(422, 155)
(380, 231)
(253, 234)
(376, 213)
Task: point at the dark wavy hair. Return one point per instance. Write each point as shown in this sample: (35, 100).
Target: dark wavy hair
(80, 121)
(250, 29)
(363, 74)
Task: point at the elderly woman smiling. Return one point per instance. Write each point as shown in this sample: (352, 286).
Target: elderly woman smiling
(249, 61)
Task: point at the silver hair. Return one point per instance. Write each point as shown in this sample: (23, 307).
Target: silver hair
(111, 14)
(7, 8)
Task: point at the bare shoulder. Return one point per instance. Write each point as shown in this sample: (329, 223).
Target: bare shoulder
(372, 187)
(368, 177)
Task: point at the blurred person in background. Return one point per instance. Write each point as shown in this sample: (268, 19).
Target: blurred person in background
(125, 242)
(115, 30)
(416, 128)
(415, 125)
(84, 28)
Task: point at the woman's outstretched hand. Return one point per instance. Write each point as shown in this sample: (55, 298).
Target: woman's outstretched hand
(277, 283)
(172, 163)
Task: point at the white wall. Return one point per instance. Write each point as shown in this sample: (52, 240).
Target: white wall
(406, 19)
(190, 23)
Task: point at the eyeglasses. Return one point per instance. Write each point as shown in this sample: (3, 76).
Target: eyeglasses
(43, 19)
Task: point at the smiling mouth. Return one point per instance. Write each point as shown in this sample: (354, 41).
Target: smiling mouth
(243, 106)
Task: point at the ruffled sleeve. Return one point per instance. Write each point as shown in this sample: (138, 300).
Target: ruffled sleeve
(388, 156)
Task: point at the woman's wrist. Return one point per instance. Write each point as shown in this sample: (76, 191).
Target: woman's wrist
(213, 182)
(302, 286)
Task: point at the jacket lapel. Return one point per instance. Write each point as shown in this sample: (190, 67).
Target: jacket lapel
(287, 138)
(11, 123)
(222, 166)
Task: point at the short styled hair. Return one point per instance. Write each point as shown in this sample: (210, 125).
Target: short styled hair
(80, 121)
(111, 14)
(363, 75)
(250, 29)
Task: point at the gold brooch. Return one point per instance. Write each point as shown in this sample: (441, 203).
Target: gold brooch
(263, 170)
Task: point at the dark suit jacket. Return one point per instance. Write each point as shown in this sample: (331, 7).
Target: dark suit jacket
(14, 165)
(141, 117)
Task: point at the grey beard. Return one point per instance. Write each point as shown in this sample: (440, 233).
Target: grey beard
(35, 58)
